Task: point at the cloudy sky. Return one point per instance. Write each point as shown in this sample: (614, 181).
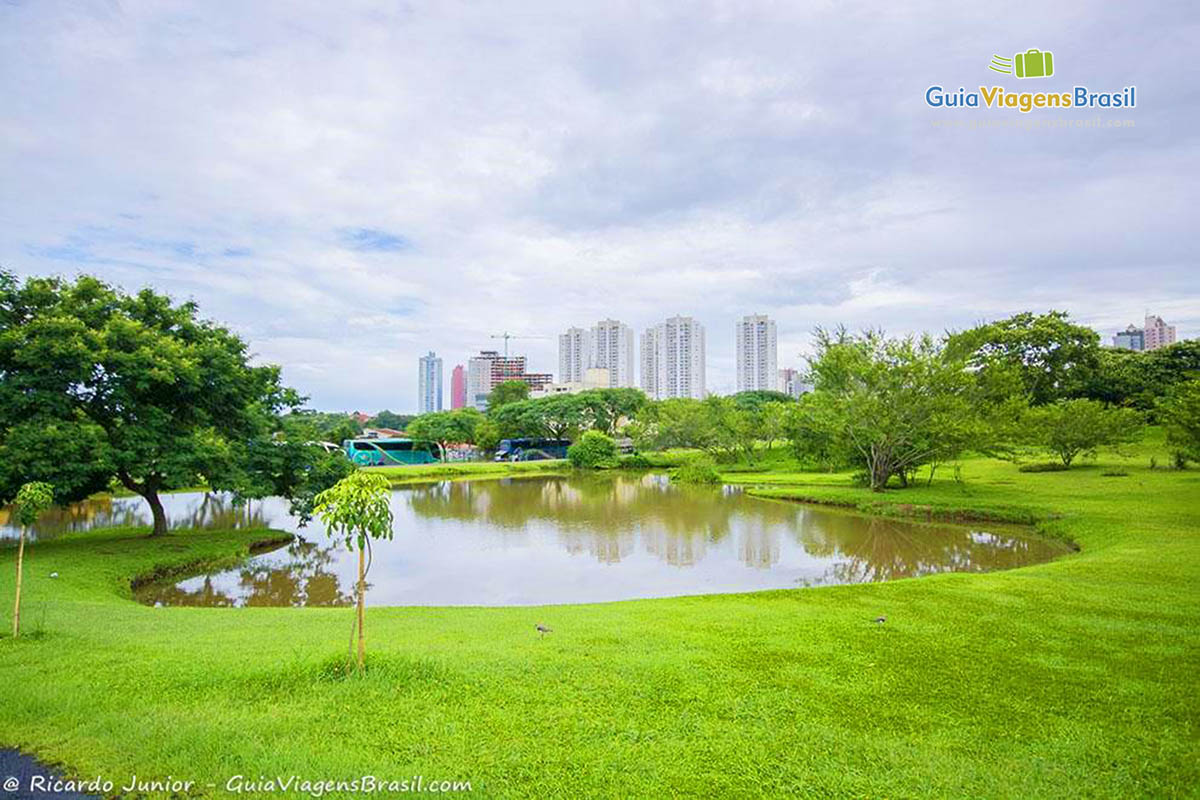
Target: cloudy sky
(351, 184)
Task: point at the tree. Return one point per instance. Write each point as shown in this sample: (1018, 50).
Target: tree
(325, 426)
(487, 434)
(1140, 379)
(755, 399)
(507, 392)
(291, 464)
(388, 419)
(678, 422)
(733, 428)
(1070, 428)
(96, 384)
(772, 420)
(594, 450)
(356, 509)
(813, 437)
(891, 405)
(1179, 413)
(608, 407)
(560, 416)
(32, 499)
(1054, 357)
(445, 428)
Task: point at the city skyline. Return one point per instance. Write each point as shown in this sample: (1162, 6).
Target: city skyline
(786, 377)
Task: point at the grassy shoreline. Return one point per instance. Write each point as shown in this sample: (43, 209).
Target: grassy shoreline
(1066, 679)
(471, 470)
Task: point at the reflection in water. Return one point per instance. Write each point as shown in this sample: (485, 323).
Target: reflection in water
(198, 510)
(584, 538)
(299, 574)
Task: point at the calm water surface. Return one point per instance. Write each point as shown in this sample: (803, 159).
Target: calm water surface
(564, 540)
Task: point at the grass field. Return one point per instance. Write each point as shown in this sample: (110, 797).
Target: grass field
(470, 470)
(1075, 678)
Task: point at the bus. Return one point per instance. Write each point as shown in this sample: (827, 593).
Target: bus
(381, 452)
(531, 449)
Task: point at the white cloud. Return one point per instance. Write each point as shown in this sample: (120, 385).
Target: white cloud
(552, 165)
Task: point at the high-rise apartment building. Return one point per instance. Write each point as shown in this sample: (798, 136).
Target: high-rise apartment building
(673, 359)
(574, 355)
(458, 387)
(429, 383)
(489, 368)
(1158, 333)
(648, 362)
(757, 356)
(612, 349)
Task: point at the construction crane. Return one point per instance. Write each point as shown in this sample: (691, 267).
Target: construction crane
(506, 336)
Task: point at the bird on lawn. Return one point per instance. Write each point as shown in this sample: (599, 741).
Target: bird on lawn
(542, 629)
(880, 620)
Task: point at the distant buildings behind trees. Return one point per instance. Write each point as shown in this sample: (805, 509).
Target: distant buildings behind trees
(668, 361)
(488, 369)
(1153, 334)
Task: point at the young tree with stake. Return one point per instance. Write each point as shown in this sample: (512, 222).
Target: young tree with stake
(32, 499)
(356, 510)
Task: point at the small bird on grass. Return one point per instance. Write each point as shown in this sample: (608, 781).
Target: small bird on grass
(542, 629)
(880, 620)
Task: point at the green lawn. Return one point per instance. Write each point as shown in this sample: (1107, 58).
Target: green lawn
(1076, 678)
(473, 470)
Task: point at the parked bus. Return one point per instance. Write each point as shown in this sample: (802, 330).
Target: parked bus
(388, 451)
(531, 449)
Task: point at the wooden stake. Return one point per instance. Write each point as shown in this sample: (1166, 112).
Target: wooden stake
(361, 604)
(17, 603)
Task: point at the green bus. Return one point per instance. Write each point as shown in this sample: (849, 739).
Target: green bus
(383, 452)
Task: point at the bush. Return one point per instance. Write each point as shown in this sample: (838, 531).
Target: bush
(697, 471)
(594, 450)
(635, 461)
(1050, 466)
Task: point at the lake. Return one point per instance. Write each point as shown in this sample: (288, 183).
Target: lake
(579, 539)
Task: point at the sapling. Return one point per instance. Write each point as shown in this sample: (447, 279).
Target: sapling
(356, 510)
(32, 499)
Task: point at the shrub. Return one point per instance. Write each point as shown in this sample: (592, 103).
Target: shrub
(635, 461)
(1049, 466)
(697, 471)
(594, 450)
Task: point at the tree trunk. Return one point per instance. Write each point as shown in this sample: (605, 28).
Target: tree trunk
(362, 647)
(160, 514)
(148, 489)
(20, 568)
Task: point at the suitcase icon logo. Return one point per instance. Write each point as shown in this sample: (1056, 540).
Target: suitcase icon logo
(1033, 63)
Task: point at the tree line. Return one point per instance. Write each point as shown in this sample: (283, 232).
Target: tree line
(101, 388)
(887, 407)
